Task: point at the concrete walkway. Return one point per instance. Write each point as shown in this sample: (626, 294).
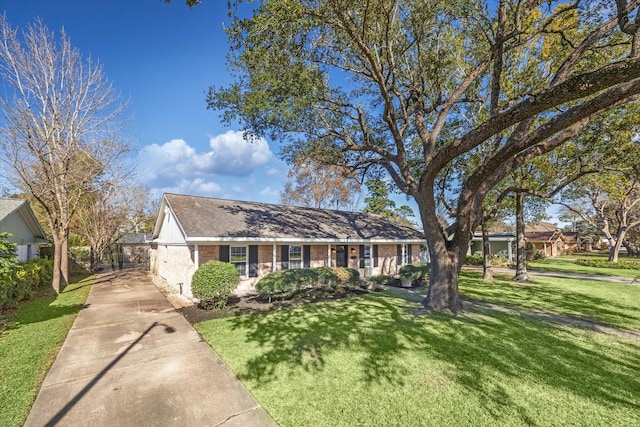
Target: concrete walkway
(131, 360)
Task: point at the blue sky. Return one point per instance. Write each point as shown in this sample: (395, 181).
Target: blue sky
(163, 58)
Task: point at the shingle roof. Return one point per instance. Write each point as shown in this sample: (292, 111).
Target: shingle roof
(7, 206)
(202, 217)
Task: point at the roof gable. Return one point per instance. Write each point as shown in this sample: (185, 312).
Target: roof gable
(18, 208)
(209, 218)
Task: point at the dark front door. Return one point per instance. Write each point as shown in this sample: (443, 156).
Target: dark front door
(341, 256)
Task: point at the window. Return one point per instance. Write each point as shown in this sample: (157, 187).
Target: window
(367, 256)
(238, 257)
(295, 257)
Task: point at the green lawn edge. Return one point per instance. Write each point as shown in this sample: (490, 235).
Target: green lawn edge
(30, 344)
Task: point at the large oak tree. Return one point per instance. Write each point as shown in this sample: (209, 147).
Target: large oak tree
(411, 86)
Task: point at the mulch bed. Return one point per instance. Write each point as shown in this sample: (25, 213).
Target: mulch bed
(253, 303)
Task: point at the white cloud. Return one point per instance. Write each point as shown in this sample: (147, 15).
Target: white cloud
(197, 186)
(176, 164)
(269, 192)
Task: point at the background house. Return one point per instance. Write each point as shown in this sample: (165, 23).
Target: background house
(17, 218)
(259, 238)
(500, 243)
(546, 237)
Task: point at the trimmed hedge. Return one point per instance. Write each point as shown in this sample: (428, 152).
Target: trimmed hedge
(213, 283)
(600, 263)
(285, 284)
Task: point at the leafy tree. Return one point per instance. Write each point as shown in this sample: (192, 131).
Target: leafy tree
(610, 200)
(409, 87)
(377, 201)
(314, 185)
(59, 131)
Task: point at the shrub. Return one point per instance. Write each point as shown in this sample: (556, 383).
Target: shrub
(474, 260)
(601, 263)
(21, 282)
(381, 279)
(285, 284)
(213, 283)
(415, 272)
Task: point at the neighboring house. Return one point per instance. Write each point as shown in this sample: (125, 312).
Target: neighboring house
(134, 249)
(500, 243)
(572, 241)
(546, 237)
(17, 218)
(259, 238)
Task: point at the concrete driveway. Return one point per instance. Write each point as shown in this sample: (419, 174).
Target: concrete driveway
(131, 360)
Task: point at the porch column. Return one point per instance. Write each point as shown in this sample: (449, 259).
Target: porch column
(329, 255)
(196, 256)
(509, 251)
(370, 259)
(544, 245)
(274, 259)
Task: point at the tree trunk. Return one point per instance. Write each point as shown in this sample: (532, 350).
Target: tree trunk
(486, 252)
(443, 281)
(64, 259)
(614, 250)
(55, 277)
(446, 258)
(521, 251)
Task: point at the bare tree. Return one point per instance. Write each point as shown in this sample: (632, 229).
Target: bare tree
(60, 129)
(311, 184)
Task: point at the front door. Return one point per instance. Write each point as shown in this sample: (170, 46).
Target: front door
(341, 256)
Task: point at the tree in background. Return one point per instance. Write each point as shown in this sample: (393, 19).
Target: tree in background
(314, 185)
(408, 87)
(610, 200)
(377, 201)
(59, 131)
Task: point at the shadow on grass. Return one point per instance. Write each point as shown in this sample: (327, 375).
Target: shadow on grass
(539, 295)
(484, 352)
(47, 307)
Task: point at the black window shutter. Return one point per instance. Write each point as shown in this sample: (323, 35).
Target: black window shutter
(374, 254)
(253, 260)
(361, 256)
(224, 253)
(409, 256)
(399, 254)
(306, 256)
(284, 257)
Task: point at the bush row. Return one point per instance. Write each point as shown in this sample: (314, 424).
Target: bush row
(285, 284)
(19, 281)
(601, 263)
(414, 272)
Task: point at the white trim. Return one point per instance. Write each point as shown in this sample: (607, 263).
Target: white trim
(196, 256)
(350, 240)
(274, 260)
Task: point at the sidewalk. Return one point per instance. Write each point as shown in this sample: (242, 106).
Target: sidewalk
(131, 360)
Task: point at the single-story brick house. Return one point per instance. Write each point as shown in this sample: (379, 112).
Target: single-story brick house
(546, 238)
(17, 218)
(260, 238)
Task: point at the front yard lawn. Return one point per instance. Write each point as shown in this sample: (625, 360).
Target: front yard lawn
(379, 360)
(567, 264)
(30, 344)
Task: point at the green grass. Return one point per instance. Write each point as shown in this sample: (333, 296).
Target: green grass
(376, 360)
(612, 303)
(29, 346)
(568, 265)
